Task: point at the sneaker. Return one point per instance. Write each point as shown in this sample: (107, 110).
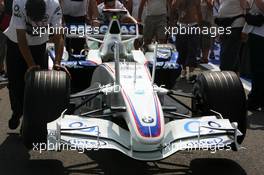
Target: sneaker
(183, 74)
(204, 61)
(14, 122)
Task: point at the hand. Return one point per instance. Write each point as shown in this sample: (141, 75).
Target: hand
(95, 23)
(31, 68)
(58, 67)
(34, 67)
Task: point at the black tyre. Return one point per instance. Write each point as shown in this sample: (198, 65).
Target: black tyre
(46, 97)
(222, 92)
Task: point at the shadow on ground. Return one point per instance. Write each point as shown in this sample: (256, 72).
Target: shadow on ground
(256, 120)
(15, 160)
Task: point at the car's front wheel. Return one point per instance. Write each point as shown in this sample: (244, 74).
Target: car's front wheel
(46, 97)
(222, 92)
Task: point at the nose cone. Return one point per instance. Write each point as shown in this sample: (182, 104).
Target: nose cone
(147, 129)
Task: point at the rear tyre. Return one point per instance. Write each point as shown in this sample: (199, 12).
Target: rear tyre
(46, 97)
(222, 92)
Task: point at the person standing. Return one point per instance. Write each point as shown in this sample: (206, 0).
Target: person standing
(231, 43)
(5, 15)
(26, 48)
(155, 21)
(78, 12)
(256, 47)
(206, 40)
(187, 44)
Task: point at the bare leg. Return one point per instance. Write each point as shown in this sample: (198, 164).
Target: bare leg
(205, 55)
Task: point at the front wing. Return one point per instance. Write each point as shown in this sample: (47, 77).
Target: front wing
(82, 134)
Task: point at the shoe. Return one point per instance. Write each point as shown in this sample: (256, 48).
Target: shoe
(204, 61)
(14, 122)
(183, 74)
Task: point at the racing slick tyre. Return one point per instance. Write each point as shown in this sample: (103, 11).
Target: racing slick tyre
(46, 96)
(222, 92)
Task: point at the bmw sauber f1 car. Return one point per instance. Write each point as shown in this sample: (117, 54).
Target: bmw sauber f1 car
(124, 109)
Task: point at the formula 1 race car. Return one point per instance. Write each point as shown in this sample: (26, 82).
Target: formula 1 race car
(124, 109)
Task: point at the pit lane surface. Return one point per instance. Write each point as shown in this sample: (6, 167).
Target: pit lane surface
(15, 159)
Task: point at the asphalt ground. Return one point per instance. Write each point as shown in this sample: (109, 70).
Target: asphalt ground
(15, 159)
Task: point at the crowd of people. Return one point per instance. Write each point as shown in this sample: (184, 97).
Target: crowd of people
(241, 20)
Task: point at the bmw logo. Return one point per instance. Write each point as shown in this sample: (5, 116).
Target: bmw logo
(147, 119)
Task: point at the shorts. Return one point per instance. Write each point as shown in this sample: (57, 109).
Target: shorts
(155, 27)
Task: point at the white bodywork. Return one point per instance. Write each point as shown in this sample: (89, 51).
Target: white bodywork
(148, 137)
(186, 134)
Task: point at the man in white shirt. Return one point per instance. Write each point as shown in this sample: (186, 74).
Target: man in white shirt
(256, 47)
(26, 48)
(109, 4)
(78, 12)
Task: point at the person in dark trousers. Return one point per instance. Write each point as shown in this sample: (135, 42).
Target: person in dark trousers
(256, 47)
(231, 43)
(5, 15)
(26, 47)
(187, 43)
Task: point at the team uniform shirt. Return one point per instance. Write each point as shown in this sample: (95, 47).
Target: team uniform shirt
(156, 7)
(101, 7)
(231, 8)
(75, 8)
(254, 29)
(216, 6)
(19, 20)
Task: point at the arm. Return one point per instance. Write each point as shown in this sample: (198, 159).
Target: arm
(24, 48)
(92, 10)
(244, 4)
(56, 21)
(199, 11)
(210, 3)
(59, 45)
(174, 12)
(140, 10)
(130, 6)
(169, 8)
